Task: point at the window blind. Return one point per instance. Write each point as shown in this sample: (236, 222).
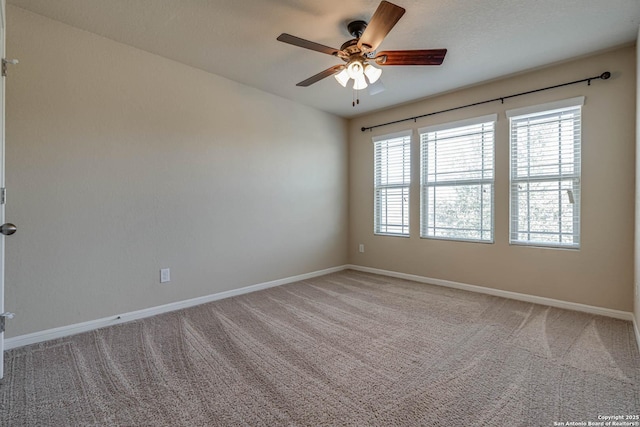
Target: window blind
(545, 175)
(392, 176)
(457, 180)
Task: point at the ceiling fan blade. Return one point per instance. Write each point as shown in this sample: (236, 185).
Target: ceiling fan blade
(321, 75)
(411, 57)
(297, 41)
(383, 20)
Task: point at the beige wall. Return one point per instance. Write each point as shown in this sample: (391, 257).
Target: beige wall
(601, 272)
(121, 162)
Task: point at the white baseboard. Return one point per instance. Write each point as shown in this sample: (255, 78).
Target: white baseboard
(617, 314)
(77, 328)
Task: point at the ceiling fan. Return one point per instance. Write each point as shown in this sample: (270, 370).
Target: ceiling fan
(359, 53)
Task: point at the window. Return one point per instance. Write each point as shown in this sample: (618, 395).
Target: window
(457, 180)
(545, 174)
(392, 178)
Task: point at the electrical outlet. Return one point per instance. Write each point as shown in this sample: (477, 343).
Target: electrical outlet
(165, 275)
(361, 248)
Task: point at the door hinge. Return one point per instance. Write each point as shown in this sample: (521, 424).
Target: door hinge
(3, 317)
(6, 62)
(3, 196)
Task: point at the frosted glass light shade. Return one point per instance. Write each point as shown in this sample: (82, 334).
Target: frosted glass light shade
(342, 77)
(372, 73)
(355, 69)
(360, 83)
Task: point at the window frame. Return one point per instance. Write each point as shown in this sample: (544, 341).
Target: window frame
(549, 108)
(425, 184)
(405, 186)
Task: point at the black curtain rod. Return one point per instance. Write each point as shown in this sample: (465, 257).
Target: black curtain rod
(603, 76)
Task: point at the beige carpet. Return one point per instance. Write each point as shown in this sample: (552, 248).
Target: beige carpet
(345, 349)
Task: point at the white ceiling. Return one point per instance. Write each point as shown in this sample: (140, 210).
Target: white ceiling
(236, 39)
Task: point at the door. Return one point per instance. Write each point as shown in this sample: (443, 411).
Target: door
(3, 315)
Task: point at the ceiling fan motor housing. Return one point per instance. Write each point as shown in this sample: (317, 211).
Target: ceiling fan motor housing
(350, 48)
(356, 28)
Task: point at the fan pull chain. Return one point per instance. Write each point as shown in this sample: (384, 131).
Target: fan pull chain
(356, 98)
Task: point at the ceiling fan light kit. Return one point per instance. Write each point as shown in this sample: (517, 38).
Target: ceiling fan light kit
(355, 69)
(372, 73)
(360, 83)
(359, 51)
(343, 77)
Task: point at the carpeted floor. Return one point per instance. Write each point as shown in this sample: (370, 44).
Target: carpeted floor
(348, 348)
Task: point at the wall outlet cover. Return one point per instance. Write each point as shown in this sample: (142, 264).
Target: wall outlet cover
(165, 275)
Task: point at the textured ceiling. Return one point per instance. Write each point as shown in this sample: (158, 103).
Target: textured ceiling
(236, 39)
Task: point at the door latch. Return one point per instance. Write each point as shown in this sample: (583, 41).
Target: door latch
(6, 62)
(3, 317)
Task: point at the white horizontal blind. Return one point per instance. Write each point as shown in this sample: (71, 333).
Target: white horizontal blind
(457, 180)
(545, 177)
(392, 179)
